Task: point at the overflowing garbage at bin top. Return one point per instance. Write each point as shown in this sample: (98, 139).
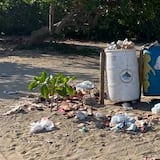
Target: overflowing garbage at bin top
(122, 71)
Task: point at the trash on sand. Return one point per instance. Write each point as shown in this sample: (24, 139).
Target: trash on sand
(127, 106)
(124, 122)
(119, 118)
(132, 127)
(43, 125)
(118, 127)
(142, 125)
(85, 85)
(84, 129)
(14, 110)
(156, 109)
(81, 115)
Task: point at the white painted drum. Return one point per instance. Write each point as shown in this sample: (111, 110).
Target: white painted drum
(122, 75)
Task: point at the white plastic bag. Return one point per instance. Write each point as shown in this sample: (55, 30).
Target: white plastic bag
(156, 109)
(43, 125)
(119, 118)
(85, 85)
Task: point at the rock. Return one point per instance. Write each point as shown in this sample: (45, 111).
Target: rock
(70, 114)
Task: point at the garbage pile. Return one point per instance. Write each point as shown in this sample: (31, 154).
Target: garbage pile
(125, 44)
(83, 108)
(126, 123)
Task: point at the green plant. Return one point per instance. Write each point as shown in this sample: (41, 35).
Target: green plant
(52, 85)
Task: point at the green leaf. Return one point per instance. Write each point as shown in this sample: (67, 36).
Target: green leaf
(70, 90)
(43, 76)
(44, 91)
(32, 85)
(62, 91)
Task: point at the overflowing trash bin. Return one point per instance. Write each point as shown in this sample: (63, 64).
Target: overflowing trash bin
(122, 73)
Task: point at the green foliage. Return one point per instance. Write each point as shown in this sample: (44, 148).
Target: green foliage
(52, 85)
(118, 19)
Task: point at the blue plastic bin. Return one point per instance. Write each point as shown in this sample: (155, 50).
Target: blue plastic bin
(151, 71)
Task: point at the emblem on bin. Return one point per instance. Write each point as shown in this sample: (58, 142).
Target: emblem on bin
(126, 76)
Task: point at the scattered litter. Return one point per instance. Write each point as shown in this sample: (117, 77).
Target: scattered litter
(118, 127)
(118, 118)
(121, 45)
(84, 129)
(132, 127)
(156, 109)
(127, 106)
(44, 125)
(16, 109)
(10, 92)
(85, 85)
(81, 115)
(124, 122)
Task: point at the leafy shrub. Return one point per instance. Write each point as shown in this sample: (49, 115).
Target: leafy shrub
(53, 85)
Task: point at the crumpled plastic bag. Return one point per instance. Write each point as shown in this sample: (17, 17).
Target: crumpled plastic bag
(156, 109)
(119, 118)
(43, 125)
(85, 85)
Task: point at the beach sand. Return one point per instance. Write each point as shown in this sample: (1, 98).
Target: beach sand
(66, 142)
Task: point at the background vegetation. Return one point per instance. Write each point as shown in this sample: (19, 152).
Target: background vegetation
(137, 19)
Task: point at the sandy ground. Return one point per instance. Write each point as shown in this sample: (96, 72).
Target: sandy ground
(66, 142)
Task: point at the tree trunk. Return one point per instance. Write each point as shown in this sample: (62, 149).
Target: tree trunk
(51, 18)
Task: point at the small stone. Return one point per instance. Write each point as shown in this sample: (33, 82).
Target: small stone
(88, 100)
(80, 125)
(61, 111)
(89, 111)
(65, 106)
(100, 125)
(75, 107)
(70, 114)
(31, 108)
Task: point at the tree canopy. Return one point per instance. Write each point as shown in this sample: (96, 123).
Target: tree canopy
(95, 20)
